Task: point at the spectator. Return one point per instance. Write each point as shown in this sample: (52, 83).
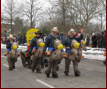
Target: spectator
(104, 40)
(94, 40)
(61, 37)
(88, 39)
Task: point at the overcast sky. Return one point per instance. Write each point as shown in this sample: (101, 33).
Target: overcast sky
(44, 3)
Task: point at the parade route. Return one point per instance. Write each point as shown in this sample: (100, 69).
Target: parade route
(90, 53)
(53, 44)
(93, 75)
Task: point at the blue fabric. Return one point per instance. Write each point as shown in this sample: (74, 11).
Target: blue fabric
(33, 44)
(16, 50)
(51, 49)
(61, 37)
(49, 42)
(67, 41)
(8, 44)
(67, 50)
(8, 50)
(35, 47)
(62, 50)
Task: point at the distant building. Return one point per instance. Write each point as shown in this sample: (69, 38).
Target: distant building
(6, 26)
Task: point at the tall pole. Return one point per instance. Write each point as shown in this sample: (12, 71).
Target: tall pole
(101, 22)
(63, 7)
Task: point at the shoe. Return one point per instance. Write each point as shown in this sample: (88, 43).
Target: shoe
(46, 65)
(55, 75)
(38, 71)
(77, 73)
(33, 69)
(47, 74)
(66, 73)
(14, 67)
(10, 69)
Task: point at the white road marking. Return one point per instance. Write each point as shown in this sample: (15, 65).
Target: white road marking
(42, 82)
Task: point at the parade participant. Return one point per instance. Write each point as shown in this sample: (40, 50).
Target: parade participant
(31, 49)
(25, 57)
(12, 52)
(49, 41)
(67, 44)
(79, 36)
(104, 44)
(94, 40)
(12, 56)
(104, 39)
(37, 57)
(88, 39)
(36, 51)
(33, 43)
(61, 36)
(71, 49)
(9, 43)
(50, 49)
(68, 40)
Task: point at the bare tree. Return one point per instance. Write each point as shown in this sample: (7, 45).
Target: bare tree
(57, 13)
(62, 5)
(11, 11)
(75, 13)
(32, 10)
(104, 3)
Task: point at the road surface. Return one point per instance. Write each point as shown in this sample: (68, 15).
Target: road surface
(93, 75)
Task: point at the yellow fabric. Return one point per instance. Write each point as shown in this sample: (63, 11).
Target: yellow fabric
(31, 34)
(76, 45)
(14, 47)
(42, 44)
(60, 46)
(83, 42)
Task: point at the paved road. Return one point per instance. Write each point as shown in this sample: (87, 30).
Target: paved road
(93, 75)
